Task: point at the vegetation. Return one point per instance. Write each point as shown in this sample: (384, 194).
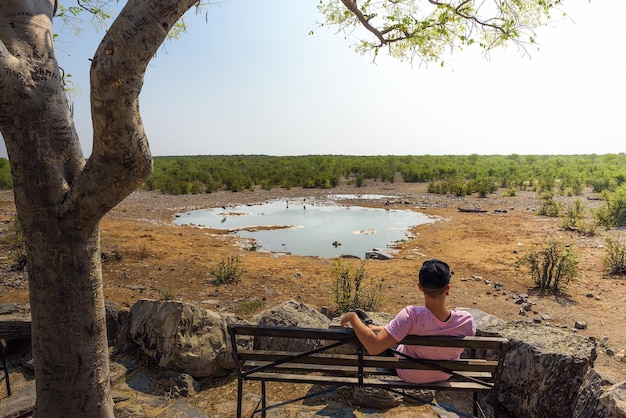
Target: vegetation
(6, 182)
(249, 306)
(613, 212)
(615, 259)
(15, 241)
(552, 268)
(459, 175)
(550, 207)
(349, 291)
(228, 271)
(144, 251)
(574, 219)
(165, 292)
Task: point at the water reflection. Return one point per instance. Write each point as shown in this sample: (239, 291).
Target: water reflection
(311, 227)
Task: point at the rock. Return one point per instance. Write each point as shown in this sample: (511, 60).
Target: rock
(20, 404)
(290, 314)
(15, 321)
(375, 398)
(112, 310)
(378, 255)
(612, 403)
(580, 325)
(482, 318)
(589, 394)
(123, 341)
(174, 384)
(183, 337)
(544, 370)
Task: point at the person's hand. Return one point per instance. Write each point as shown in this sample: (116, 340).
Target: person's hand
(347, 318)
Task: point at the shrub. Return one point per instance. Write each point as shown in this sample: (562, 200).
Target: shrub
(552, 268)
(550, 206)
(510, 192)
(166, 294)
(613, 212)
(349, 291)
(574, 219)
(615, 259)
(144, 251)
(573, 216)
(228, 271)
(249, 306)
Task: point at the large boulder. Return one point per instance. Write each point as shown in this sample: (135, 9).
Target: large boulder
(544, 369)
(15, 322)
(612, 402)
(594, 385)
(482, 319)
(183, 337)
(290, 314)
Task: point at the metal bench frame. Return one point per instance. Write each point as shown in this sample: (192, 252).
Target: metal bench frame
(324, 366)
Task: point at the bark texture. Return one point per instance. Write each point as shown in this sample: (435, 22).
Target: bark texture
(60, 197)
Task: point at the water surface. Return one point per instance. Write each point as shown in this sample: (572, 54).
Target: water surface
(309, 227)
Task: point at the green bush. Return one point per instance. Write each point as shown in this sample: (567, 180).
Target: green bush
(249, 306)
(552, 268)
(550, 206)
(574, 219)
(349, 291)
(510, 192)
(613, 212)
(573, 216)
(228, 271)
(615, 259)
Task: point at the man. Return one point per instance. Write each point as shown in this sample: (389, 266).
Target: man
(434, 318)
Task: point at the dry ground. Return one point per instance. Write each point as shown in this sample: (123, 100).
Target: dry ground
(159, 259)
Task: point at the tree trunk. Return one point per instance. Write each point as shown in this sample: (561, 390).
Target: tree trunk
(60, 198)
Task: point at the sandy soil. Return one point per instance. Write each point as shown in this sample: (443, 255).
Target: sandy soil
(158, 259)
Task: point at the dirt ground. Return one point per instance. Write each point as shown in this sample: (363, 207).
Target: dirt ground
(149, 257)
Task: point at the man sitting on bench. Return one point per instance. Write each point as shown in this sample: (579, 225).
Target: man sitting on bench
(434, 318)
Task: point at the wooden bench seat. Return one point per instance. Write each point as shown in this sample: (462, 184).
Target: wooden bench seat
(340, 360)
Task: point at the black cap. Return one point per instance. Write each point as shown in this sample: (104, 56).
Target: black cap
(434, 274)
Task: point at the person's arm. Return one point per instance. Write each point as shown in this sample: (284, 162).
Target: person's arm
(373, 343)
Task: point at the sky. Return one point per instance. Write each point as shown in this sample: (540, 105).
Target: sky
(248, 78)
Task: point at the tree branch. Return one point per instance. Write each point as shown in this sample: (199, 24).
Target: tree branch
(365, 21)
(121, 158)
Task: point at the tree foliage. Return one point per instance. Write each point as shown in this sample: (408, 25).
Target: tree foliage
(427, 29)
(449, 174)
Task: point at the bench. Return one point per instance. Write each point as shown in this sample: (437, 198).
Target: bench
(340, 360)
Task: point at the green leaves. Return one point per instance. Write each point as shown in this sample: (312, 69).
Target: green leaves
(410, 28)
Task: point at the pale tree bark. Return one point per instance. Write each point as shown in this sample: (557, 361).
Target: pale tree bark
(60, 197)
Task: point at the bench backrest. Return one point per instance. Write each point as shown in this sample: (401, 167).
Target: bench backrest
(339, 349)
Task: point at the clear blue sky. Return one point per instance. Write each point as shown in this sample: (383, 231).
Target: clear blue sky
(251, 80)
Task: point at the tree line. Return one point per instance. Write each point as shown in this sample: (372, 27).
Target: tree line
(446, 174)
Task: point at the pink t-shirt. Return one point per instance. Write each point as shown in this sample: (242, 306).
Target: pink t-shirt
(419, 320)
